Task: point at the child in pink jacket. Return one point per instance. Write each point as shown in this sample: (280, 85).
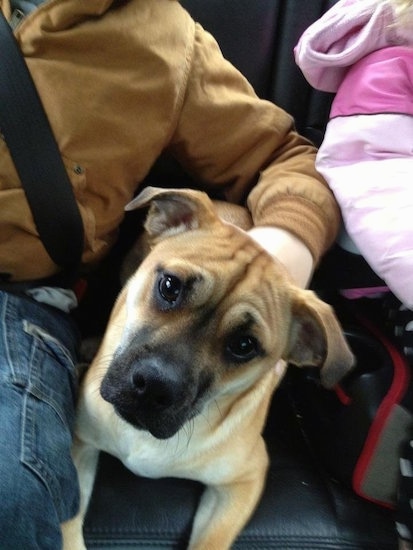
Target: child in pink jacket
(362, 50)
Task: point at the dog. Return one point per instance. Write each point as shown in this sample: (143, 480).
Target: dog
(197, 342)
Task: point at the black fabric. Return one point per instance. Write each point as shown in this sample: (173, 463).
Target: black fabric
(34, 151)
(258, 38)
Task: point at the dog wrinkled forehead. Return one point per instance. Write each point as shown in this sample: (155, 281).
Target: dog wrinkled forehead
(205, 234)
(218, 263)
(192, 279)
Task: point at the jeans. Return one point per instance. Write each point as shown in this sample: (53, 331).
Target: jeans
(38, 481)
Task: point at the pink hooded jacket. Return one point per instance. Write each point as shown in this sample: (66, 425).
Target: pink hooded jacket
(358, 51)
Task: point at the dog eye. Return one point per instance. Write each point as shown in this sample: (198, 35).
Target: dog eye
(242, 348)
(170, 288)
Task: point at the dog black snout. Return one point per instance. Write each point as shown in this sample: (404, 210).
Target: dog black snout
(153, 387)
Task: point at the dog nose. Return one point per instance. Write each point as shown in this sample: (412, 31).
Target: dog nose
(154, 387)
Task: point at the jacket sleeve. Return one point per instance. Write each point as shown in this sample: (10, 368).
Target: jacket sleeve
(247, 150)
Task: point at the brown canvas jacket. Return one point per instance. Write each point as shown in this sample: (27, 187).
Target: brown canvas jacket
(122, 82)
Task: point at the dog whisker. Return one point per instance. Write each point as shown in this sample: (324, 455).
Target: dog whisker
(189, 428)
(218, 408)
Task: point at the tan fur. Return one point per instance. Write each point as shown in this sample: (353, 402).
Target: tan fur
(233, 294)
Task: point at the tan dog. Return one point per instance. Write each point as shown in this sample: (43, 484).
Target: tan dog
(195, 346)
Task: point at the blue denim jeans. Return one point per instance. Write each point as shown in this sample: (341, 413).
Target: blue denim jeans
(38, 482)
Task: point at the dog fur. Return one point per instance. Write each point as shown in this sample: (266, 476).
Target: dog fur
(196, 344)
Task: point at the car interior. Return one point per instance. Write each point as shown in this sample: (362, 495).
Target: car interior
(309, 501)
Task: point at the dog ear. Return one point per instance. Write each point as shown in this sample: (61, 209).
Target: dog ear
(173, 211)
(316, 338)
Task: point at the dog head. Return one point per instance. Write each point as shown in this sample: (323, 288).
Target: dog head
(206, 315)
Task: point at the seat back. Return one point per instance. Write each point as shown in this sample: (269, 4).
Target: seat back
(258, 38)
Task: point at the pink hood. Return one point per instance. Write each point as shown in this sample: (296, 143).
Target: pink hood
(350, 30)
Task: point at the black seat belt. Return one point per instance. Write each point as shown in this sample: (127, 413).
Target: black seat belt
(33, 148)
